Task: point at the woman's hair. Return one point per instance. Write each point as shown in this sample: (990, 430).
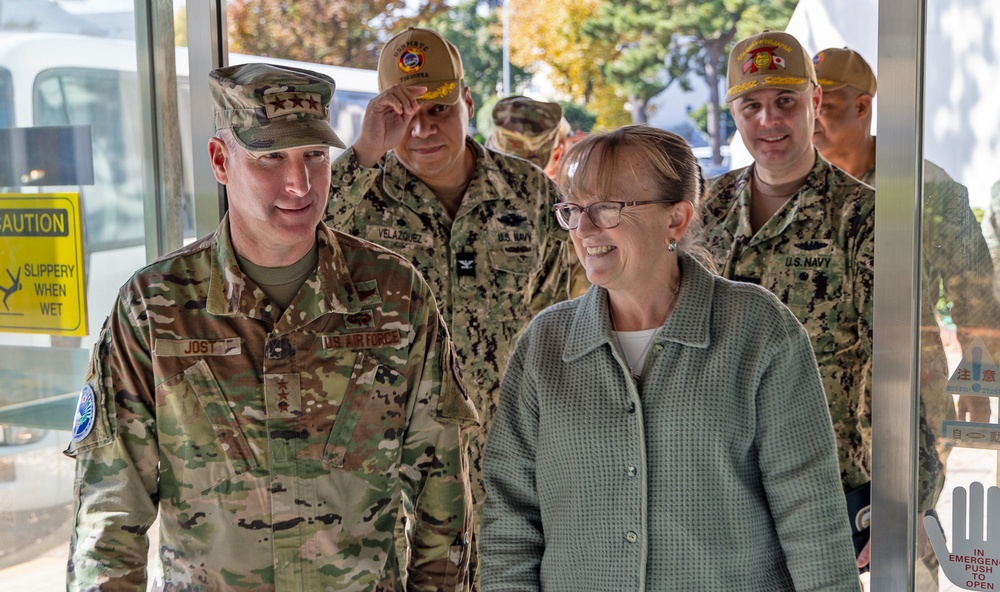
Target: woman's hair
(661, 154)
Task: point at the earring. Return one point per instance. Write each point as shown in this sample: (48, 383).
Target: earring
(672, 246)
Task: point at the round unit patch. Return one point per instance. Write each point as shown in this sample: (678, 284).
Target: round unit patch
(411, 60)
(863, 519)
(83, 420)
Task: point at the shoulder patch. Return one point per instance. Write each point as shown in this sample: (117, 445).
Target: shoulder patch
(83, 419)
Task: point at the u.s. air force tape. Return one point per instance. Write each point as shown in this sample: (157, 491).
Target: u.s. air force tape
(365, 340)
(83, 419)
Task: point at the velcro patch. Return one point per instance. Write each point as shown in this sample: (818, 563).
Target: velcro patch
(287, 103)
(83, 419)
(380, 234)
(283, 395)
(360, 320)
(366, 340)
(368, 292)
(197, 347)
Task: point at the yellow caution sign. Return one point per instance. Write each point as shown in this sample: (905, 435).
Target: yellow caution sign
(41, 264)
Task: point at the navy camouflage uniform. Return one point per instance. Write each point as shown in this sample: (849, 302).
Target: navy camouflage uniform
(817, 255)
(501, 260)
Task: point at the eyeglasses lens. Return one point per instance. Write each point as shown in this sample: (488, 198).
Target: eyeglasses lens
(605, 215)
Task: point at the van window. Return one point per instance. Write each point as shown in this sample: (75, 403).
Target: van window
(6, 99)
(347, 109)
(105, 100)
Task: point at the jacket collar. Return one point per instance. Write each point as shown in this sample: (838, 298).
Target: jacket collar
(687, 325)
(487, 183)
(811, 195)
(329, 289)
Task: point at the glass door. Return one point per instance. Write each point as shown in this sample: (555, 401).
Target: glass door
(936, 508)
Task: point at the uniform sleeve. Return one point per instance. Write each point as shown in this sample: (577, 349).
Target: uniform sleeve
(864, 301)
(798, 465)
(512, 541)
(435, 460)
(349, 183)
(553, 280)
(930, 473)
(116, 491)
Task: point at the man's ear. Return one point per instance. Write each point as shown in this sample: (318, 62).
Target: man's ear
(863, 105)
(218, 154)
(817, 97)
(467, 97)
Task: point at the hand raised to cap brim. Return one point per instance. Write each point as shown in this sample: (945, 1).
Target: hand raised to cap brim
(385, 122)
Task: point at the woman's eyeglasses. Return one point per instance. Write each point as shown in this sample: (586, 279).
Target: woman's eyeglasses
(603, 214)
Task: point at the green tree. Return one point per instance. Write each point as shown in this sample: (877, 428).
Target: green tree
(661, 42)
(579, 117)
(552, 33)
(180, 27)
(475, 36)
(337, 32)
(484, 118)
(700, 118)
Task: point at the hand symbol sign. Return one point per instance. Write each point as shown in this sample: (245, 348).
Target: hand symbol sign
(973, 562)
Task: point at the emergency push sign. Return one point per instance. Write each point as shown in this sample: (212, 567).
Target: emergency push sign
(42, 283)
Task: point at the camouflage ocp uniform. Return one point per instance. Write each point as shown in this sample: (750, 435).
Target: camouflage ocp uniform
(817, 255)
(275, 449)
(502, 259)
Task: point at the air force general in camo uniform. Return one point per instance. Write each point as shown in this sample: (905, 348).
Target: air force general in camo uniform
(274, 435)
(478, 224)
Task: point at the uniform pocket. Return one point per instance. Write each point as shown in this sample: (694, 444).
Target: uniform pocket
(513, 243)
(367, 434)
(201, 444)
(812, 288)
(520, 259)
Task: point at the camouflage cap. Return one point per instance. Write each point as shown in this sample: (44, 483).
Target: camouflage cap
(837, 67)
(272, 108)
(421, 57)
(526, 128)
(768, 60)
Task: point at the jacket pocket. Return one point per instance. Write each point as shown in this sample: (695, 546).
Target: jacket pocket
(367, 434)
(201, 444)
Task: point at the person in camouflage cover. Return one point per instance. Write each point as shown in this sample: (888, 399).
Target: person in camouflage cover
(805, 231)
(956, 260)
(537, 132)
(527, 128)
(274, 390)
(478, 224)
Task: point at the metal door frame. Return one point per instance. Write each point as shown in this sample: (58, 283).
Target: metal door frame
(901, 36)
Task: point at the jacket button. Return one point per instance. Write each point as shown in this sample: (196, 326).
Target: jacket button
(658, 347)
(631, 537)
(631, 471)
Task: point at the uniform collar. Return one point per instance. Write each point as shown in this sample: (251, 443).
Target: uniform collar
(487, 183)
(811, 195)
(329, 289)
(687, 325)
